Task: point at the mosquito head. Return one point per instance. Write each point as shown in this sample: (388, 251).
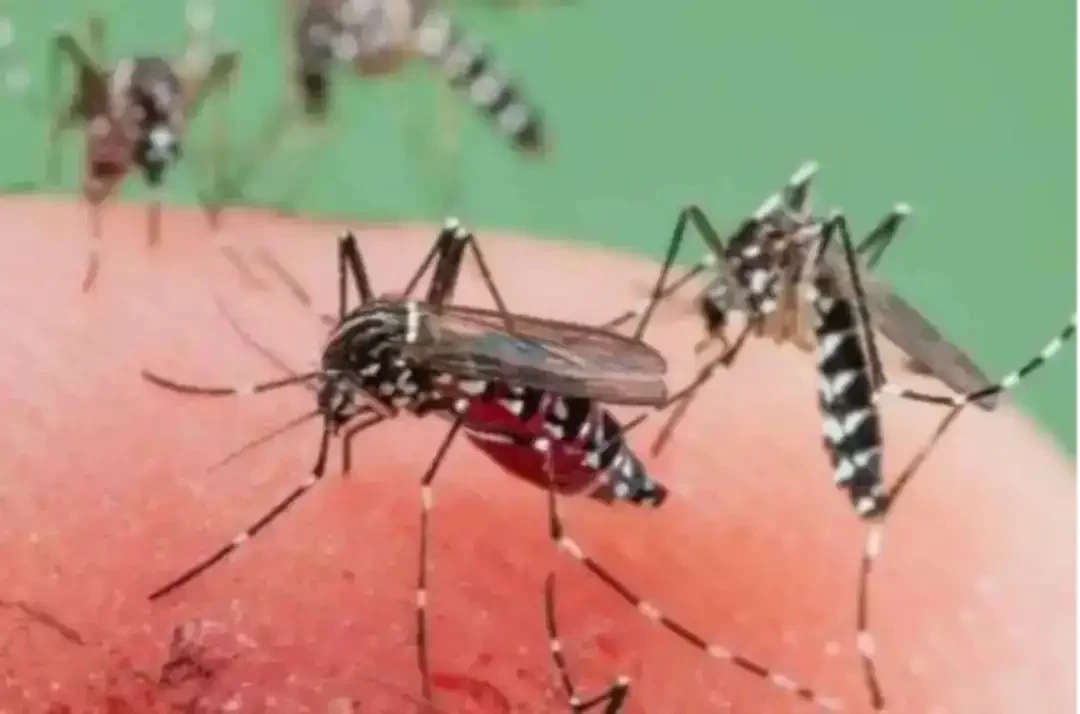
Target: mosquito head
(338, 400)
(713, 306)
(156, 150)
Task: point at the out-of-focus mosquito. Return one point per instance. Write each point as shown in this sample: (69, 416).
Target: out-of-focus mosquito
(372, 39)
(133, 114)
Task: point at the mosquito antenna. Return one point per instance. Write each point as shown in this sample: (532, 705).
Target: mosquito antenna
(257, 388)
(251, 342)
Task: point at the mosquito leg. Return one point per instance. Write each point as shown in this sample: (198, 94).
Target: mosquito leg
(715, 258)
(95, 30)
(93, 264)
(614, 697)
(437, 248)
(448, 127)
(565, 543)
(351, 263)
(315, 143)
(489, 279)
(252, 530)
(153, 219)
(796, 194)
(838, 223)
(669, 260)
(295, 288)
(877, 241)
(263, 351)
(57, 123)
(450, 248)
(426, 502)
(1008, 382)
(685, 396)
(348, 435)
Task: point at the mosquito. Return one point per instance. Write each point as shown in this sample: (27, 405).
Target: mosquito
(747, 272)
(134, 114)
(797, 293)
(375, 39)
(392, 354)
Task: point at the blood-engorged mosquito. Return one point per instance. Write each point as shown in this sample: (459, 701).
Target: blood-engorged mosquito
(563, 420)
(376, 38)
(392, 354)
(790, 287)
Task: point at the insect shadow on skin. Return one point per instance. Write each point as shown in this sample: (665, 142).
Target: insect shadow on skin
(782, 269)
(133, 114)
(393, 354)
(374, 39)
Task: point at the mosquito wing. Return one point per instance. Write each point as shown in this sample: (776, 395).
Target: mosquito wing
(906, 327)
(565, 358)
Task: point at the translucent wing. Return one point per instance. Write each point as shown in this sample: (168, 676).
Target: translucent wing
(906, 327)
(565, 358)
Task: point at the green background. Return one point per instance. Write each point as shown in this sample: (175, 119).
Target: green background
(964, 109)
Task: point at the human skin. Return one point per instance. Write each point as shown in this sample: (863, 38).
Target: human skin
(105, 495)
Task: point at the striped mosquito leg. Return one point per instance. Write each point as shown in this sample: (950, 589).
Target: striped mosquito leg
(796, 194)
(565, 543)
(450, 248)
(685, 396)
(427, 501)
(865, 644)
(1008, 382)
(877, 241)
(714, 258)
(438, 248)
(351, 264)
(614, 697)
(467, 67)
(283, 505)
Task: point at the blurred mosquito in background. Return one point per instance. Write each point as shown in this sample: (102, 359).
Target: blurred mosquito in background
(133, 114)
(393, 353)
(374, 39)
(803, 281)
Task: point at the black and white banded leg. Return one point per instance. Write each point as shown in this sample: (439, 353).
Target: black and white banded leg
(865, 643)
(447, 254)
(427, 501)
(564, 542)
(613, 698)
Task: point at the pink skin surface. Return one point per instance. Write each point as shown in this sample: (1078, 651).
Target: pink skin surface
(105, 495)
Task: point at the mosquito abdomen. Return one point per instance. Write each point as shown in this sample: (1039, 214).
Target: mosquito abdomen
(467, 67)
(851, 428)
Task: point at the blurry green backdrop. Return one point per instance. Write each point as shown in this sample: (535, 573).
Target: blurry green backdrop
(964, 109)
